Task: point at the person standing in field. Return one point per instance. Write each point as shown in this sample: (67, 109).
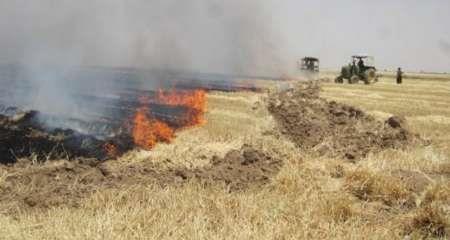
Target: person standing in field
(361, 64)
(399, 76)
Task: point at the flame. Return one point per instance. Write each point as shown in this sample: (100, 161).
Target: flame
(111, 150)
(147, 131)
(194, 100)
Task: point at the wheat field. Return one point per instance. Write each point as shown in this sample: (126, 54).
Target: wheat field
(311, 198)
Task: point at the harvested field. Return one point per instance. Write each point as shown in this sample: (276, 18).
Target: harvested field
(243, 175)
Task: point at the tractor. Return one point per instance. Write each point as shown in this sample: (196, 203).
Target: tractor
(360, 69)
(309, 64)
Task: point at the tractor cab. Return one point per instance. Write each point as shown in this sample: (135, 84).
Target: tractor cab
(309, 64)
(364, 62)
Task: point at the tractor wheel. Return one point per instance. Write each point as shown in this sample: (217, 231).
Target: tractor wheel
(353, 80)
(339, 80)
(370, 76)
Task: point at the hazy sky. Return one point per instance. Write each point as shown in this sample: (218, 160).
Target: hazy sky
(414, 34)
(226, 35)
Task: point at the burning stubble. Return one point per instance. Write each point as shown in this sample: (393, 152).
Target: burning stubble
(77, 57)
(147, 131)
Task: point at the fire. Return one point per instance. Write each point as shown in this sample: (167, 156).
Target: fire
(147, 131)
(194, 100)
(111, 150)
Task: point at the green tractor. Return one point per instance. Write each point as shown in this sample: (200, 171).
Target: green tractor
(360, 69)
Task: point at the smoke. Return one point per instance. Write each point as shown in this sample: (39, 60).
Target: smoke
(51, 39)
(444, 46)
(218, 36)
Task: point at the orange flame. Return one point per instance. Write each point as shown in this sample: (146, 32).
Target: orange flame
(111, 150)
(147, 131)
(195, 101)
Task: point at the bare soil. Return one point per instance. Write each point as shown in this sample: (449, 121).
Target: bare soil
(65, 183)
(333, 129)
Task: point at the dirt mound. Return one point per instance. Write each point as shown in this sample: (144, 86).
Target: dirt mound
(65, 183)
(334, 129)
(239, 170)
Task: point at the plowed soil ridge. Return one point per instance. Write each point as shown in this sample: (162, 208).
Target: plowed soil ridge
(333, 129)
(66, 183)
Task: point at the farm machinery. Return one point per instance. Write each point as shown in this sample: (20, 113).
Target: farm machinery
(309, 64)
(361, 68)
